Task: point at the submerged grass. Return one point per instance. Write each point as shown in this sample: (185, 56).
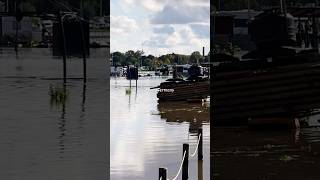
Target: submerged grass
(286, 158)
(58, 95)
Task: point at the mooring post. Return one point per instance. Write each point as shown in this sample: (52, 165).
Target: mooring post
(64, 50)
(162, 174)
(200, 169)
(200, 150)
(84, 52)
(185, 164)
(17, 24)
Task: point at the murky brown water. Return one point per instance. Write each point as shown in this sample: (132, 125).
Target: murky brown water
(146, 135)
(242, 153)
(40, 139)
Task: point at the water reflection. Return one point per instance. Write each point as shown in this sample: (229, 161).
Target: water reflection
(83, 104)
(45, 135)
(200, 169)
(177, 112)
(251, 154)
(146, 136)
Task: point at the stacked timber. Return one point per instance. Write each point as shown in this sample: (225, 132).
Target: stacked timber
(273, 91)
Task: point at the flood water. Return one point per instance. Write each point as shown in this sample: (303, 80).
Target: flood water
(243, 153)
(43, 137)
(147, 135)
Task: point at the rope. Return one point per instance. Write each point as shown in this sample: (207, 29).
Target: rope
(196, 147)
(184, 155)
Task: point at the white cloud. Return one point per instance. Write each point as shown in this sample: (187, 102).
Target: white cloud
(201, 30)
(174, 13)
(122, 25)
(160, 26)
(158, 5)
(167, 29)
(183, 41)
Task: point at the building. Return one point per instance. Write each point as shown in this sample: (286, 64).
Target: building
(232, 27)
(9, 25)
(100, 31)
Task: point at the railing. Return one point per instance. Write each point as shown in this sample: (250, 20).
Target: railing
(185, 160)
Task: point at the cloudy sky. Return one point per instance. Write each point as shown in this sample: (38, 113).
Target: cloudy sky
(160, 26)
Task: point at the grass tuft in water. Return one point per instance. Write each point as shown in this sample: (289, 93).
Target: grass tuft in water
(128, 91)
(58, 95)
(286, 158)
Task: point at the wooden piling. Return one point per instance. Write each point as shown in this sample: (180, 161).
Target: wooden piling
(200, 169)
(16, 36)
(64, 50)
(84, 54)
(162, 174)
(185, 164)
(200, 149)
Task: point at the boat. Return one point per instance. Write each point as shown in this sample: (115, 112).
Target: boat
(194, 89)
(278, 79)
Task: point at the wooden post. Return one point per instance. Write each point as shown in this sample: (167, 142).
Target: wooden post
(84, 52)
(64, 50)
(200, 169)
(162, 174)
(315, 33)
(185, 164)
(200, 150)
(16, 38)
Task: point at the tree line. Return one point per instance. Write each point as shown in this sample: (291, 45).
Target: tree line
(151, 62)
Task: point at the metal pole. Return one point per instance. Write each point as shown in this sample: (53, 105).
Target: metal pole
(84, 52)
(16, 40)
(200, 149)
(100, 7)
(64, 50)
(185, 164)
(1, 32)
(249, 7)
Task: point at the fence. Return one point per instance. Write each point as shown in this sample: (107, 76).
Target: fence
(184, 165)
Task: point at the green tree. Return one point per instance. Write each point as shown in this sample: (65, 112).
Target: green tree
(119, 59)
(195, 57)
